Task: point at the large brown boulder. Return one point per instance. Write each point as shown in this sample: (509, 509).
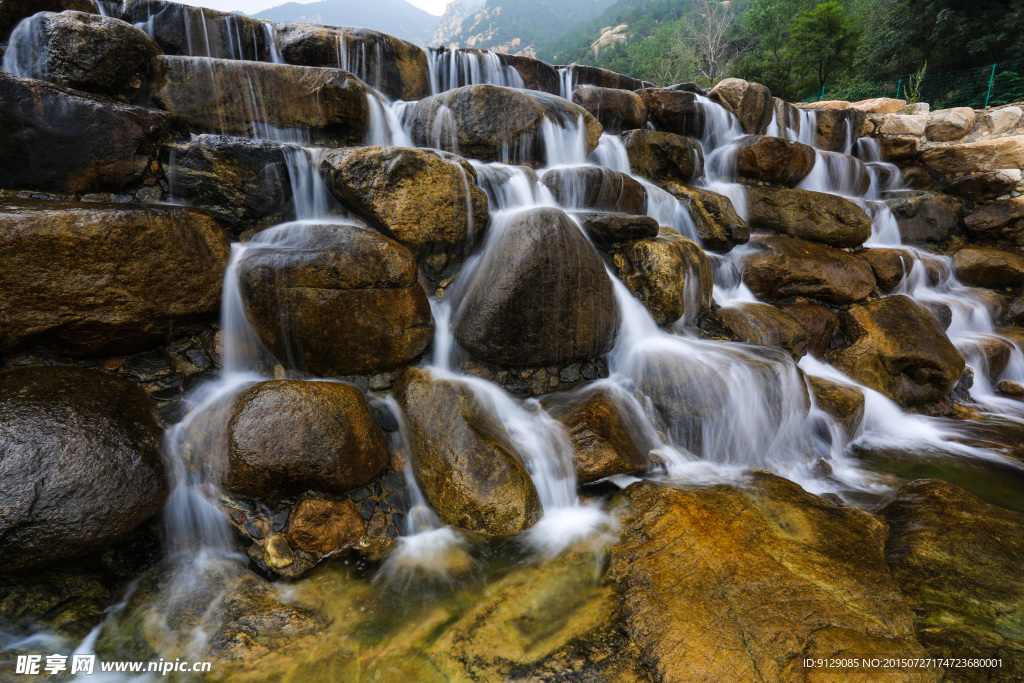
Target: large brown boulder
(837, 129)
(286, 437)
(393, 66)
(898, 348)
(987, 185)
(799, 578)
(596, 188)
(663, 156)
(773, 160)
(971, 157)
(347, 302)
(946, 125)
(840, 401)
(13, 11)
(718, 225)
(782, 266)
(889, 265)
(901, 148)
(463, 459)
(992, 268)
(579, 74)
(606, 433)
(98, 278)
(425, 199)
(60, 140)
(182, 29)
(80, 463)
(957, 560)
(669, 274)
(464, 120)
(818, 320)
(999, 222)
(616, 110)
(675, 111)
(536, 74)
(540, 296)
(329, 106)
(925, 216)
(766, 325)
(814, 216)
(87, 52)
(750, 102)
(606, 229)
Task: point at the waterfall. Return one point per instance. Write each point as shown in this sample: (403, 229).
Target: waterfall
(457, 67)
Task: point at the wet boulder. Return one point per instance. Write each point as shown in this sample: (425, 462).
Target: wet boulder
(675, 111)
(580, 75)
(391, 65)
(330, 106)
(897, 149)
(606, 229)
(982, 186)
(814, 216)
(346, 302)
(898, 348)
(991, 268)
(780, 266)
(463, 458)
(777, 560)
(286, 437)
(818, 320)
(957, 559)
(239, 181)
(199, 31)
(95, 278)
(842, 402)
(540, 296)
(773, 160)
(80, 463)
(670, 275)
(925, 216)
(59, 140)
(463, 120)
(889, 265)
(947, 125)
(663, 156)
(87, 52)
(596, 188)
(606, 431)
(999, 222)
(766, 325)
(718, 225)
(425, 199)
(972, 157)
(837, 129)
(751, 103)
(616, 110)
(13, 11)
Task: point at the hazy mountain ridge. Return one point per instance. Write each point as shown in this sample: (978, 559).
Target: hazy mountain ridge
(396, 17)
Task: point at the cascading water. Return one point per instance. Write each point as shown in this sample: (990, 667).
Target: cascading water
(458, 67)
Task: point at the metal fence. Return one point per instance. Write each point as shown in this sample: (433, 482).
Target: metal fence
(980, 87)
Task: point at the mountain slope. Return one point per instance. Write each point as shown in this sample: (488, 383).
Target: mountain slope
(396, 17)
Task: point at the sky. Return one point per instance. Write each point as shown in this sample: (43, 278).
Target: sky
(254, 6)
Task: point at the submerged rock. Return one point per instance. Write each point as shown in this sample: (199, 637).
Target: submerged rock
(187, 30)
(616, 110)
(957, 560)
(774, 160)
(80, 463)
(782, 266)
(663, 156)
(425, 199)
(596, 188)
(798, 577)
(751, 103)
(898, 348)
(670, 275)
(463, 121)
(675, 111)
(540, 296)
(102, 278)
(718, 225)
(815, 216)
(393, 66)
(345, 303)
(329, 106)
(463, 458)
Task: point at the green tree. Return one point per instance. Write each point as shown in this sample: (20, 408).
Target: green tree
(824, 42)
(769, 59)
(663, 57)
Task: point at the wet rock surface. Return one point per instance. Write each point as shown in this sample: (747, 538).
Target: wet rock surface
(814, 216)
(926, 216)
(665, 156)
(182, 29)
(675, 111)
(750, 102)
(718, 225)
(774, 160)
(763, 324)
(989, 267)
(782, 266)
(597, 189)
(616, 110)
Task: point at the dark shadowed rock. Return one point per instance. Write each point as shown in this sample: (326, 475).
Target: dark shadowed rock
(675, 111)
(663, 156)
(982, 186)
(782, 266)
(463, 120)
(393, 66)
(186, 30)
(900, 148)
(80, 463)
(815, 216)
(606, 229)
(818, 320)
(59, 140)
(425, 199)
(345, 303)
(835, 129)
(898, 348)
(596, 188)
(540, 296)
(536, 74)
(463, 458)
(889, 265)
(1000, 222)
(616, 110)
(751, 103)
(329, 106)
(718, 225)
(925, 216)
(843, 402)
(763, 324)
(99, 278)
(989, 267)
(773, 160)
(13, 11)
(592, 75)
